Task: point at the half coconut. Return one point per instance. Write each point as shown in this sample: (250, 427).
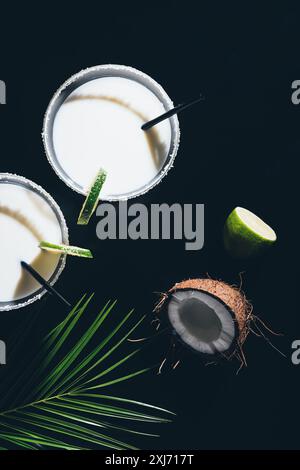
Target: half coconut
(208, 316)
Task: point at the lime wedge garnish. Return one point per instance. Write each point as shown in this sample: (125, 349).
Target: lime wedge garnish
(245, 234)
(91, 200)
(66, 249)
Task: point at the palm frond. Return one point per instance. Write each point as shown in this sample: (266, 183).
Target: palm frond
(60, 409)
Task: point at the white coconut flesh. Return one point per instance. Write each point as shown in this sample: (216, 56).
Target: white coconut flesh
(255, 224)
(201, 321)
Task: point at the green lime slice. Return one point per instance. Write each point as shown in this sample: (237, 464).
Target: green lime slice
(245, 234)
(66, 249)
(91, 200)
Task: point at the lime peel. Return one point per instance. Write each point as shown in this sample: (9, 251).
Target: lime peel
(66, 249)
(92, 199)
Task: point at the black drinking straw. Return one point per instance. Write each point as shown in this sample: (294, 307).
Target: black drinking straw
(171, 112)
(43, 282)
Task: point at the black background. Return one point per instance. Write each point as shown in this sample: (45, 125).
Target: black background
(239, 148)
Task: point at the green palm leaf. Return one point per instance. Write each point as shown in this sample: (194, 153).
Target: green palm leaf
(62, 411)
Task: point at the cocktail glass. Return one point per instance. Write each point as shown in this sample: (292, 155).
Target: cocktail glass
(27, 214)
(92, 74)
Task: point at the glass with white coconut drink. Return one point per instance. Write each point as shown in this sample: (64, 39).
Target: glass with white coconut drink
(94, 121)
(28, 214)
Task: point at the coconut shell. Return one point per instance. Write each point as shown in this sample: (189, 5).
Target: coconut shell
(230, 295)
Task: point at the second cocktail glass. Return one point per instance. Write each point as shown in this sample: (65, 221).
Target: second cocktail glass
(28, 214)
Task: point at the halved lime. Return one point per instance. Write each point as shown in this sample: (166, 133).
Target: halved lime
(245, 234)
(92, 198)
(66, 249)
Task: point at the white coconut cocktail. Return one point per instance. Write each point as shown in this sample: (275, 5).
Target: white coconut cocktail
(28, 215)
(94, 121)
